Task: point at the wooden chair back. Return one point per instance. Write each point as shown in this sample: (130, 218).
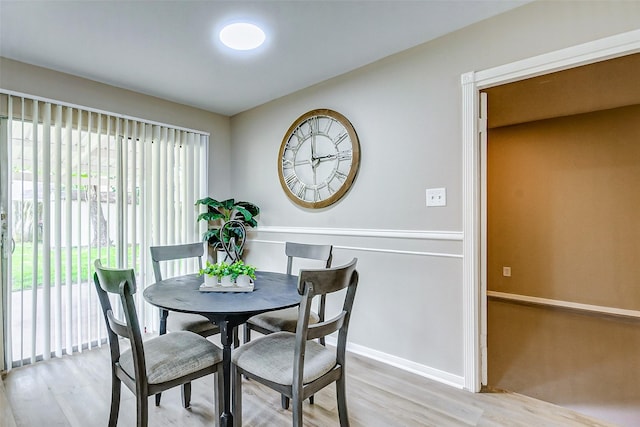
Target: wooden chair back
(312, 283)
(175, 252)
(121, 282)
(308, 251)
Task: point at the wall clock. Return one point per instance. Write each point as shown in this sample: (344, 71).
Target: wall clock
(319, 158)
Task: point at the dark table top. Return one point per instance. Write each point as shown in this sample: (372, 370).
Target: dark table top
(272, 291)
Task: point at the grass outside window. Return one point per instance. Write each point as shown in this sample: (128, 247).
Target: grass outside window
(23, 272)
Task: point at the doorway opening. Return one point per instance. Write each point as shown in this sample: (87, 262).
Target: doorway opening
(562, 240)
(474, 178)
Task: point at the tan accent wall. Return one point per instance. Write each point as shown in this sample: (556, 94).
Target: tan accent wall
(564, 214)
(564, 208)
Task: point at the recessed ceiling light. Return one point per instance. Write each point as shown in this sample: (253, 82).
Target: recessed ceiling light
(242, 36)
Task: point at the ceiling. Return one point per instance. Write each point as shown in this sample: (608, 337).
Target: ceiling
(169, 49)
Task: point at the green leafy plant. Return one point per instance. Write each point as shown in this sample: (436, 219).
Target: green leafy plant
(218, 270)
(234, 270)
(239, 268)
(228, 220)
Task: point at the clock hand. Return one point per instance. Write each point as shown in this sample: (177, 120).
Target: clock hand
(330, 156)
(314, 164)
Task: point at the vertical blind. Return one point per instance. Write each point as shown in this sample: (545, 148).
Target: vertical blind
(82, 185)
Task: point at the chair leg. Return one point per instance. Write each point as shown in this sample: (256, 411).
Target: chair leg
(341, 395)
(247, 334)
(297, 411)
(284, 401)
(116, 388)
(236, 340)
(237, 396)
(163, 330)
(186, 394)
(143, 410)
(163, 321)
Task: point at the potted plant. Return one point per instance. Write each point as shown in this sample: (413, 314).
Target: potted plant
(242, 273)
(225, 274)
(219, 273)
(228, 220)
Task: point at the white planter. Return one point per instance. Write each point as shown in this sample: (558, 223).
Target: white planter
(243, 280)
(210, 280)
(226, 281)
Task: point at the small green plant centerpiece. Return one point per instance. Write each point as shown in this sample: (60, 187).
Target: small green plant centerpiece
(225, 274)
(228, 221)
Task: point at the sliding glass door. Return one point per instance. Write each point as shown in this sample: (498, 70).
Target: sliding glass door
(81, 185)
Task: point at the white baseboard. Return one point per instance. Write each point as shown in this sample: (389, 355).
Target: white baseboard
(404, 364)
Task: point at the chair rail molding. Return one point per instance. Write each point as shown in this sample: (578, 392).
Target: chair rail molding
(453, 236)
(365, 232)
(473, 193)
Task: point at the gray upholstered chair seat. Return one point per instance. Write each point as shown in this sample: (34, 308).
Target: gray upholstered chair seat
(271, 357)
(177, 321)
(168, 357)
(281, 320)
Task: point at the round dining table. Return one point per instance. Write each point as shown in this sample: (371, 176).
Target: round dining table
(271, 291)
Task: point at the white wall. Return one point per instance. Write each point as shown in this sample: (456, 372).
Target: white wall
(406, 110)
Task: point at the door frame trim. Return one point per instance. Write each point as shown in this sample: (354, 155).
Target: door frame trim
(474, 248)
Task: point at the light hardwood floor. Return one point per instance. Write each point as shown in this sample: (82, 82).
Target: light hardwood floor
(75, 391)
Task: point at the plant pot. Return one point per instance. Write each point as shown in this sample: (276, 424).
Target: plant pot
(210, 280)
(243, 280)
(226, 281)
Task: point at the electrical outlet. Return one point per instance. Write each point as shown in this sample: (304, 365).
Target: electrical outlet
(506, 271)
(436, 197)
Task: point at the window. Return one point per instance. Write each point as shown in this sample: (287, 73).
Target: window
(82, 185)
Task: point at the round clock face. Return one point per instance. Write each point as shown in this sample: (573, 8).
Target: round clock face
(319, 158)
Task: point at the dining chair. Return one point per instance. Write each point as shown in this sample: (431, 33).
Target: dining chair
(181, 321)
(159, 363)
(286, 319)
(294, 364)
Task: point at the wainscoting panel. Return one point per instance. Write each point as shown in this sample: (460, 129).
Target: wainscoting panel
(408, 300)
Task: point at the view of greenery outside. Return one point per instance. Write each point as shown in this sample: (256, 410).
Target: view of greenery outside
(22, 266)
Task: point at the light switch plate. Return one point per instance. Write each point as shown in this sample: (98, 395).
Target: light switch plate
(436, 197)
